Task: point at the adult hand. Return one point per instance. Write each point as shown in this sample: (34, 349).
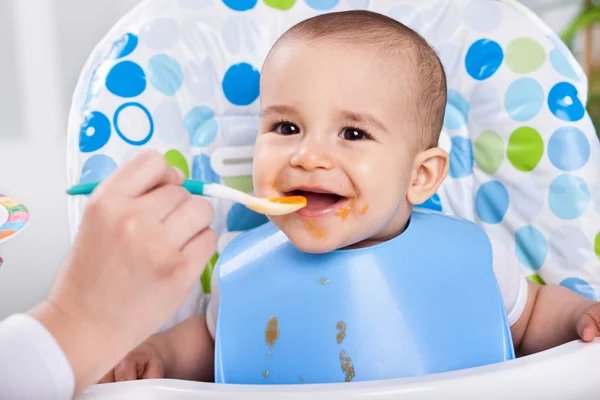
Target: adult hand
(142, 243)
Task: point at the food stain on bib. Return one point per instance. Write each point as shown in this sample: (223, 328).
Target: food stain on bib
(363, 210)
(347, 366)
(272, 333)
(344, 211)
(341, 327)
(302, 379)
(314, 229)
(266, 374)
(323, 281)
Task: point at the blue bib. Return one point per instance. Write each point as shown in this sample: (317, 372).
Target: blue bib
(424, 302)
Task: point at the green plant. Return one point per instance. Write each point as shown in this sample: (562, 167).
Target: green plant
(584, 21)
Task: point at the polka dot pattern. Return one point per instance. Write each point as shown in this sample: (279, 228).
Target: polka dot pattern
(94, 133)
(569, 196)
(240, 84)
(491, 202)
(525, 148)
(165, 74)
(483, 59)
(524, 99)
(126, 79)
(183, 78)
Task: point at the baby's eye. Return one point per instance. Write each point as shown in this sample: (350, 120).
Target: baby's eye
(285, 128)
(354, 134)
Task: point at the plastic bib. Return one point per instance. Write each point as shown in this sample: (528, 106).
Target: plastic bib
(424, 302)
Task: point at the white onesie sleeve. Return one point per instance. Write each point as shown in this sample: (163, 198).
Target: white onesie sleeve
(213, 305)
(32, 364)
(511, 280)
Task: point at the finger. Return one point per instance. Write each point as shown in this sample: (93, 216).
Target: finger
(198, 251)
(141, 174)
(192, 217)
(163, 201)
(587, 329)
(109, 377)
(126, 370)
(154, 369)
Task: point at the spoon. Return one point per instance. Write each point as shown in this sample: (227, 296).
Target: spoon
(268, 206)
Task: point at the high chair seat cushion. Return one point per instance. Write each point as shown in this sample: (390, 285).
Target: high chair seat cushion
(182, 77)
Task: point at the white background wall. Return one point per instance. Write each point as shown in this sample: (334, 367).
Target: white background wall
(43, 46)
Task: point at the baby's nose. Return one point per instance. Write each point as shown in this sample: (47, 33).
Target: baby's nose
(312, 157)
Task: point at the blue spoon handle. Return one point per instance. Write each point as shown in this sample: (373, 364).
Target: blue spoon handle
(194, 187)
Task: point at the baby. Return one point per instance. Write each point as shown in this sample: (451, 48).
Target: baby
(352, 108)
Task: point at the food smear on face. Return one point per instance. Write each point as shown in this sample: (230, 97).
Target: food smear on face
(347, 366)
(363, 210)
(341, 327)
(272, 333)
(313, 229)
(344, 211)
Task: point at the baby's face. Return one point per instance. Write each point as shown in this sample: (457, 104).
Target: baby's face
(336, 128)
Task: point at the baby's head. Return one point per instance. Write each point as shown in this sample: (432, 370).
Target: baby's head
(352, 108)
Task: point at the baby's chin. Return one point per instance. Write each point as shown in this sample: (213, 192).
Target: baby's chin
(315, 243)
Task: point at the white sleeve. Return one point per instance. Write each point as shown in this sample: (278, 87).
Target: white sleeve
(511, 280)
(212, 310)
(32, 364)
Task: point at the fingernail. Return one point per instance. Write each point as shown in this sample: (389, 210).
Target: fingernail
(179, 173)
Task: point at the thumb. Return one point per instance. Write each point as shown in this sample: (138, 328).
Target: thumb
(587, 329)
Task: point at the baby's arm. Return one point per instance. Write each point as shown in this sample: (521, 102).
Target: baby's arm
(554, 315)
(187, 350)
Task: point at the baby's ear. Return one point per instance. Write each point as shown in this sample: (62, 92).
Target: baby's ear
(429, 170)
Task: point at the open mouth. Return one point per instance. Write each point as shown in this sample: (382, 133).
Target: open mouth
(318, 202)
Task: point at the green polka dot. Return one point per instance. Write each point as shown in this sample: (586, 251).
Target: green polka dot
(597, 245)
(242, 183)
(177, 160)
(525, 148)
(489, 152)
(524, 55)
(206, 276)
(537, 279)
(280, 4)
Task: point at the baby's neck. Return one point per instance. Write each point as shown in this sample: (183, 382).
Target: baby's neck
(377, 239)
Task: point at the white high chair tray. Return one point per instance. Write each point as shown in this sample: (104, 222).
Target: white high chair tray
(14, 216)
(565, 372)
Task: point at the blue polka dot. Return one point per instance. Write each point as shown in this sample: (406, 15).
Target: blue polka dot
(240, 218)
(524, 99)
(568, 148)
(491, 202)
(562, 65)
(564, 103)
(461, 157)
(457, 110)
(580, 286)
(140, 142)
(569, 196)
(483, 59)
(241, 84)
(240, 5)
(322, 4)
(202, 170)
(164, 73)
(124, 46)
(531, 247)
(433, 203)
(94, 132)
(97, 168)
(200, 124)
(126, 79)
